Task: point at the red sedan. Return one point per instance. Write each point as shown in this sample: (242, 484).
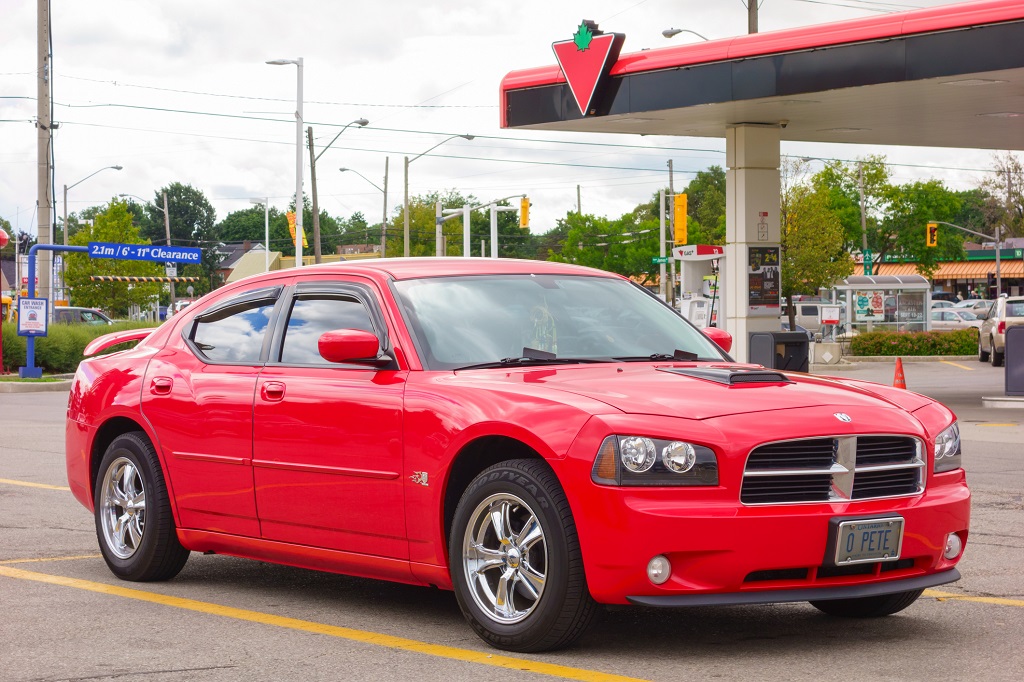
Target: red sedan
(540, 438)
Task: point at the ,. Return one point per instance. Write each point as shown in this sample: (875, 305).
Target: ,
(539, 438)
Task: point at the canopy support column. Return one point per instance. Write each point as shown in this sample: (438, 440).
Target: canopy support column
(751, 225)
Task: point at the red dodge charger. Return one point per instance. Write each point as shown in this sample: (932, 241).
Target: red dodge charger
(540, 438)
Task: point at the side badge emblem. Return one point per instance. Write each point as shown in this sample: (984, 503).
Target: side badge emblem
(843, 417)
(419, 477)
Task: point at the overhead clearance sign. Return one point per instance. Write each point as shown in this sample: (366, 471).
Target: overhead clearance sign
(150, 252)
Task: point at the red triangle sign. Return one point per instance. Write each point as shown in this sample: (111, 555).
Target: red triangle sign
(586, 60)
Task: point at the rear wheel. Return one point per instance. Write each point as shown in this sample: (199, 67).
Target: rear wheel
(868, 607)
(997, 357)
(134, 524)
(982, 353)
(515, 560)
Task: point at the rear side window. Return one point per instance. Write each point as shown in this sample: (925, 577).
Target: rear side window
(234, 334)
(1015, 308)
(809, 310)
(314, 314)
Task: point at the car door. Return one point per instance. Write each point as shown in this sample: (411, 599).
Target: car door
(963, 319)
(198, 394)
(327, 438)
(991, 324)
(951, 321)
(967, 318)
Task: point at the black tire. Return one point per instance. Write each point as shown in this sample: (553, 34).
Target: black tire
(868, 607)
(982, 353)
(520, 491)
(139, 543)
(997, 357)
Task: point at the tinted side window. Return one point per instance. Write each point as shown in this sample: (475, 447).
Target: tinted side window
(809, 310)
(314, 314)
(234, 334)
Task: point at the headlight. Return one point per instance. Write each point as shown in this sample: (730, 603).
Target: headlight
(947, 449)
(642, 461)
(637, 454)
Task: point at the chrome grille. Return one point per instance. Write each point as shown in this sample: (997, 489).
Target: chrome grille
(836, 469)
(885, 449)
(816, 453)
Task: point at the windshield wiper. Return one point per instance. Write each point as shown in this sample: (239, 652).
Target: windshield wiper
(679, 355)
(533, 356)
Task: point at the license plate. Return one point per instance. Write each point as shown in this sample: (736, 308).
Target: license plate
(865, 540)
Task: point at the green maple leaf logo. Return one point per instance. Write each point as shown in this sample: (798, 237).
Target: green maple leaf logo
(582, 36)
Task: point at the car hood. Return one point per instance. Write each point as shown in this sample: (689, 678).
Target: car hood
(676, 390)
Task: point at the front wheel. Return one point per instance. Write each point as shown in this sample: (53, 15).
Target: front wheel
(515, 560)
(133, 514)
(868, 607)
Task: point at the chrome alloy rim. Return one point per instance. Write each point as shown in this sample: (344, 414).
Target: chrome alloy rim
(504, 556)
(123, 508)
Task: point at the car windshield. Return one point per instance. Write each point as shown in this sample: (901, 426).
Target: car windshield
(460, 322)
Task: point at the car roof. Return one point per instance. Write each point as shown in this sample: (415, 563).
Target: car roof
(416, 268)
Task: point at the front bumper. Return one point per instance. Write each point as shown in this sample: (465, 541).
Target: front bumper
(725, 552)
(77, 441)
(735, 550)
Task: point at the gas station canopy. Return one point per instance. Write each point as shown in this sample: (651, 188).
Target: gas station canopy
(950, 76)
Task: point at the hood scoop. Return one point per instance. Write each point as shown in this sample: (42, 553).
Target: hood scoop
(731, 377)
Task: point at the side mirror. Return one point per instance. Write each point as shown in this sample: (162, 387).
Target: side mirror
(722, 338)
(982, 316)
(348, 345)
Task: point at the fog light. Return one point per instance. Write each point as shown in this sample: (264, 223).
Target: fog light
(954, 545)
(659, 570)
